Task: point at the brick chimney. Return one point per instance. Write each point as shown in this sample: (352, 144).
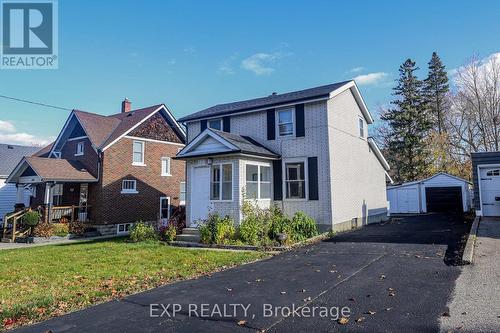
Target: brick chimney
(126, 105)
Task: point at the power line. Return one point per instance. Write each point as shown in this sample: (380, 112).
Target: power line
(35, 103)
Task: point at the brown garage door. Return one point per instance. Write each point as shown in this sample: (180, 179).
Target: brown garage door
(444, 199)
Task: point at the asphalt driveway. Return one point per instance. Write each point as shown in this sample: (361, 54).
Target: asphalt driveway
(392, 277)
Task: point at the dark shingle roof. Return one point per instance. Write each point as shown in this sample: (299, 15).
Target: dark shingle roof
(264, 102)
(10, 155)
(55, 169)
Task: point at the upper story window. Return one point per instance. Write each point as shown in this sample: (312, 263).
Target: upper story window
(285, 122)
(182, 195)
(79, 149)
(215, 124)
(138, 153)
(295, 181)
(258, 181)
(361, 124)
(495, 172)
(129, 186)
(165, 166)
(221, 182)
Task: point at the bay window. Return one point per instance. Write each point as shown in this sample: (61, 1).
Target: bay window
(258, 181)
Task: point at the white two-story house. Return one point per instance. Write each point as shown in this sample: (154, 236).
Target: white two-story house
(304, 151)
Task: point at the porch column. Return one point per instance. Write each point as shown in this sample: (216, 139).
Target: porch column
(46, 202)
(19, 197)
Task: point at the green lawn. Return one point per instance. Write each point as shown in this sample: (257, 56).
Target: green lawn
(41, 282)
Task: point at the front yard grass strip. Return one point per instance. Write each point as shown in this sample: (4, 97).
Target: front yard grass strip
(41, 282)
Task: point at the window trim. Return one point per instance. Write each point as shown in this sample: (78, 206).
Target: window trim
(306, 178)
(129, 191)
(259, 181)
(143, 143)
(124, 232)
(78, 151)
(169, 205)
(216, 119)
(361, 127)
(168, 171)
(182, 202)
(220, 164)
(277, 112)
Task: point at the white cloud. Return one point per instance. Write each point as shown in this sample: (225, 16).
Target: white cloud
(370, 79)
(356, 69)
(483, 65)
(9, 134)
(259, 63)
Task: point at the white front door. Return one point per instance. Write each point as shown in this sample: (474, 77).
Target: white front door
(490, 191)
(200, 195)
(164, 210)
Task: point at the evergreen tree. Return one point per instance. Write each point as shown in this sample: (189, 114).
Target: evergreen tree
(407, 126)
(434, 90)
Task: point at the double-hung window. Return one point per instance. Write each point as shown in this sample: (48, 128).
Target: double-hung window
(165, 166)
(79, 149)
(182, 195)
(286, 122)
(361, 127)
(221, 182)
(129, 186)
(138, 153)
(258, 181)
(215, 124)
(295, 181)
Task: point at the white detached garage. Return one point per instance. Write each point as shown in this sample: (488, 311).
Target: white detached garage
(439, 193)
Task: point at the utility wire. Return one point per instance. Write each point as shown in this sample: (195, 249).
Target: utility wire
(35, 103)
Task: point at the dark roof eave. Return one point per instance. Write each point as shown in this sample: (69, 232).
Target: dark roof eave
(223, 113)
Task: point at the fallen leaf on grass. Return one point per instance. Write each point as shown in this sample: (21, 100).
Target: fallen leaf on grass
(343, 320)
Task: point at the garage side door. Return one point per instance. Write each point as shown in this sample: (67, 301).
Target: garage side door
(444, 199)
(490, 191)
(407, 200)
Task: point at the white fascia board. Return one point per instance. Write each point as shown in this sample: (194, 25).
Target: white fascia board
(378, 153)
(203, 135)
(357, 96)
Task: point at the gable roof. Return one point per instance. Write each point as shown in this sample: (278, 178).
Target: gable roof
(103, 131)
(266, 102)
(53, 169)
(429, 178)
(10, 155)
(233, 144)
(44, 152)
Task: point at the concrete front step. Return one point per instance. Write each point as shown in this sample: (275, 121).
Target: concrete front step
(188, 238)
(190, 231)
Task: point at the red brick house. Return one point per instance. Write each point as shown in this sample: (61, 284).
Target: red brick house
(109, 171)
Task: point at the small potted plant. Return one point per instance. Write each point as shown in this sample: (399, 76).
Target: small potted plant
(31, 218)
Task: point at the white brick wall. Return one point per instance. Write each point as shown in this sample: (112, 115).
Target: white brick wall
(358, 179)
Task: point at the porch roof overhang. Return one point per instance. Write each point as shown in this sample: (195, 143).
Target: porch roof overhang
(212, 142)
(32, 169)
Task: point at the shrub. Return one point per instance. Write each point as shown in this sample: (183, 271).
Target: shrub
(76, 228)
(142, 232)
(303, 227)
(217, 230)
(253, 231)
(168, 232)
(44, 229)
(60, 229)
(31, 218)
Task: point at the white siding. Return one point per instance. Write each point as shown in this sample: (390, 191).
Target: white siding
(358, 179)
(8, 194)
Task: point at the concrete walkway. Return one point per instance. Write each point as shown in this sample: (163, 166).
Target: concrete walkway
(10, 246)
(475, 306)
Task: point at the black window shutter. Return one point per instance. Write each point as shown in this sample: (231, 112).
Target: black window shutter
(271, 125)
(226, 124)
(299, 120)
(277, 181)
(312, 172)
(203, 125)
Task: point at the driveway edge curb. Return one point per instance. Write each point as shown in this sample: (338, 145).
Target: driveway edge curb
(468, 255)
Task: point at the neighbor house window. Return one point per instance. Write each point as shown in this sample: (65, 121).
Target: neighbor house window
(138, 153)
(258, 181)
(182, 195)
(129, 186)
(285, 122)
(221, 182)
(215, 124)
(361, 127)
(495, 172)
(123, 228)
(295, 181)
(57, 194)
(165, 166)
(79, 149)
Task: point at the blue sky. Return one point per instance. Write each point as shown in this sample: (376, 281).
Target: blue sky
(193, 54)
